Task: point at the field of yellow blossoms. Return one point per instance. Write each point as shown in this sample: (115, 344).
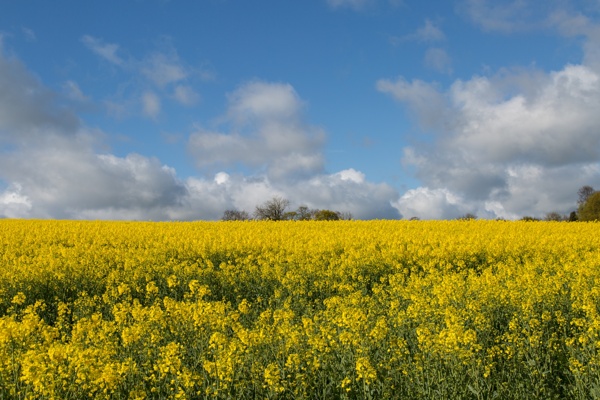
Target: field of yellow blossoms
(299, 310)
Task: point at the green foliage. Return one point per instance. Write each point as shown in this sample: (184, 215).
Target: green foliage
(590, 210)
(303, 213)
(326, 215)
(573, 216)
(528, 218)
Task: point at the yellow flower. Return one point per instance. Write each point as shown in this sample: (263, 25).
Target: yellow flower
(365, 371)
(19, 299)
(272, 377)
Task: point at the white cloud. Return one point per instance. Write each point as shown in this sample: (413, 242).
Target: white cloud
(221, 178)
(13, 204)
(424, 99)
(263, 102)
(517, 143)
(164, 76)
(26, 105)
(518, 16)
(108, 51)
(185, 95)
(272, 139)
(351, 175)
(347, 191)
(363, 199)
(438, 60)
(269, 133)
(74, 92)
(556, 125)
(425, 203)
(150, 104)
(164, 69)
(355, 4)
(430, 32)
(51, 168)
(504, 15)
(67, 179)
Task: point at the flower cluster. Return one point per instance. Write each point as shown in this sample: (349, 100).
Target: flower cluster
(292, 310)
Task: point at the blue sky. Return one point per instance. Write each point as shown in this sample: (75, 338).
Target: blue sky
(179, 110)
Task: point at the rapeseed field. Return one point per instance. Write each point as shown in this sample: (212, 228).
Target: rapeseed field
(299, 310)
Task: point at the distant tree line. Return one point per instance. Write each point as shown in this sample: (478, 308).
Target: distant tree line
(588, 208)
(277, 209)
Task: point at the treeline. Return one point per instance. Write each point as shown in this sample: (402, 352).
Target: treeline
(588, 208)
(276, 209)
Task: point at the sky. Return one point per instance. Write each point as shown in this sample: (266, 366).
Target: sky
(385, 109)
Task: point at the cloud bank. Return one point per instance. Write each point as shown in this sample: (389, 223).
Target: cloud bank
(54, 166)
(520, 142)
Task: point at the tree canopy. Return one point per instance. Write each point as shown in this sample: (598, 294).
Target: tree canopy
(276, 209)
(272, 210)
(590, 210)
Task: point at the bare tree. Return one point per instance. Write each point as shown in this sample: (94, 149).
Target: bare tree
(272, 210)
(584, 194)
(235, 215)
(555, 216)
(345, 215)
(303, 213)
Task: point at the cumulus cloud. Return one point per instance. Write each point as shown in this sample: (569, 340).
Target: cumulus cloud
(51, 168)
(269, 132)
(271, 138)
(348, 191)
(359, 197)
(425, 203)
(436, 58)
(13, 204)
(423, 98)
(27, 106)
(69, 182)
(263, 102)
(518, 143)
